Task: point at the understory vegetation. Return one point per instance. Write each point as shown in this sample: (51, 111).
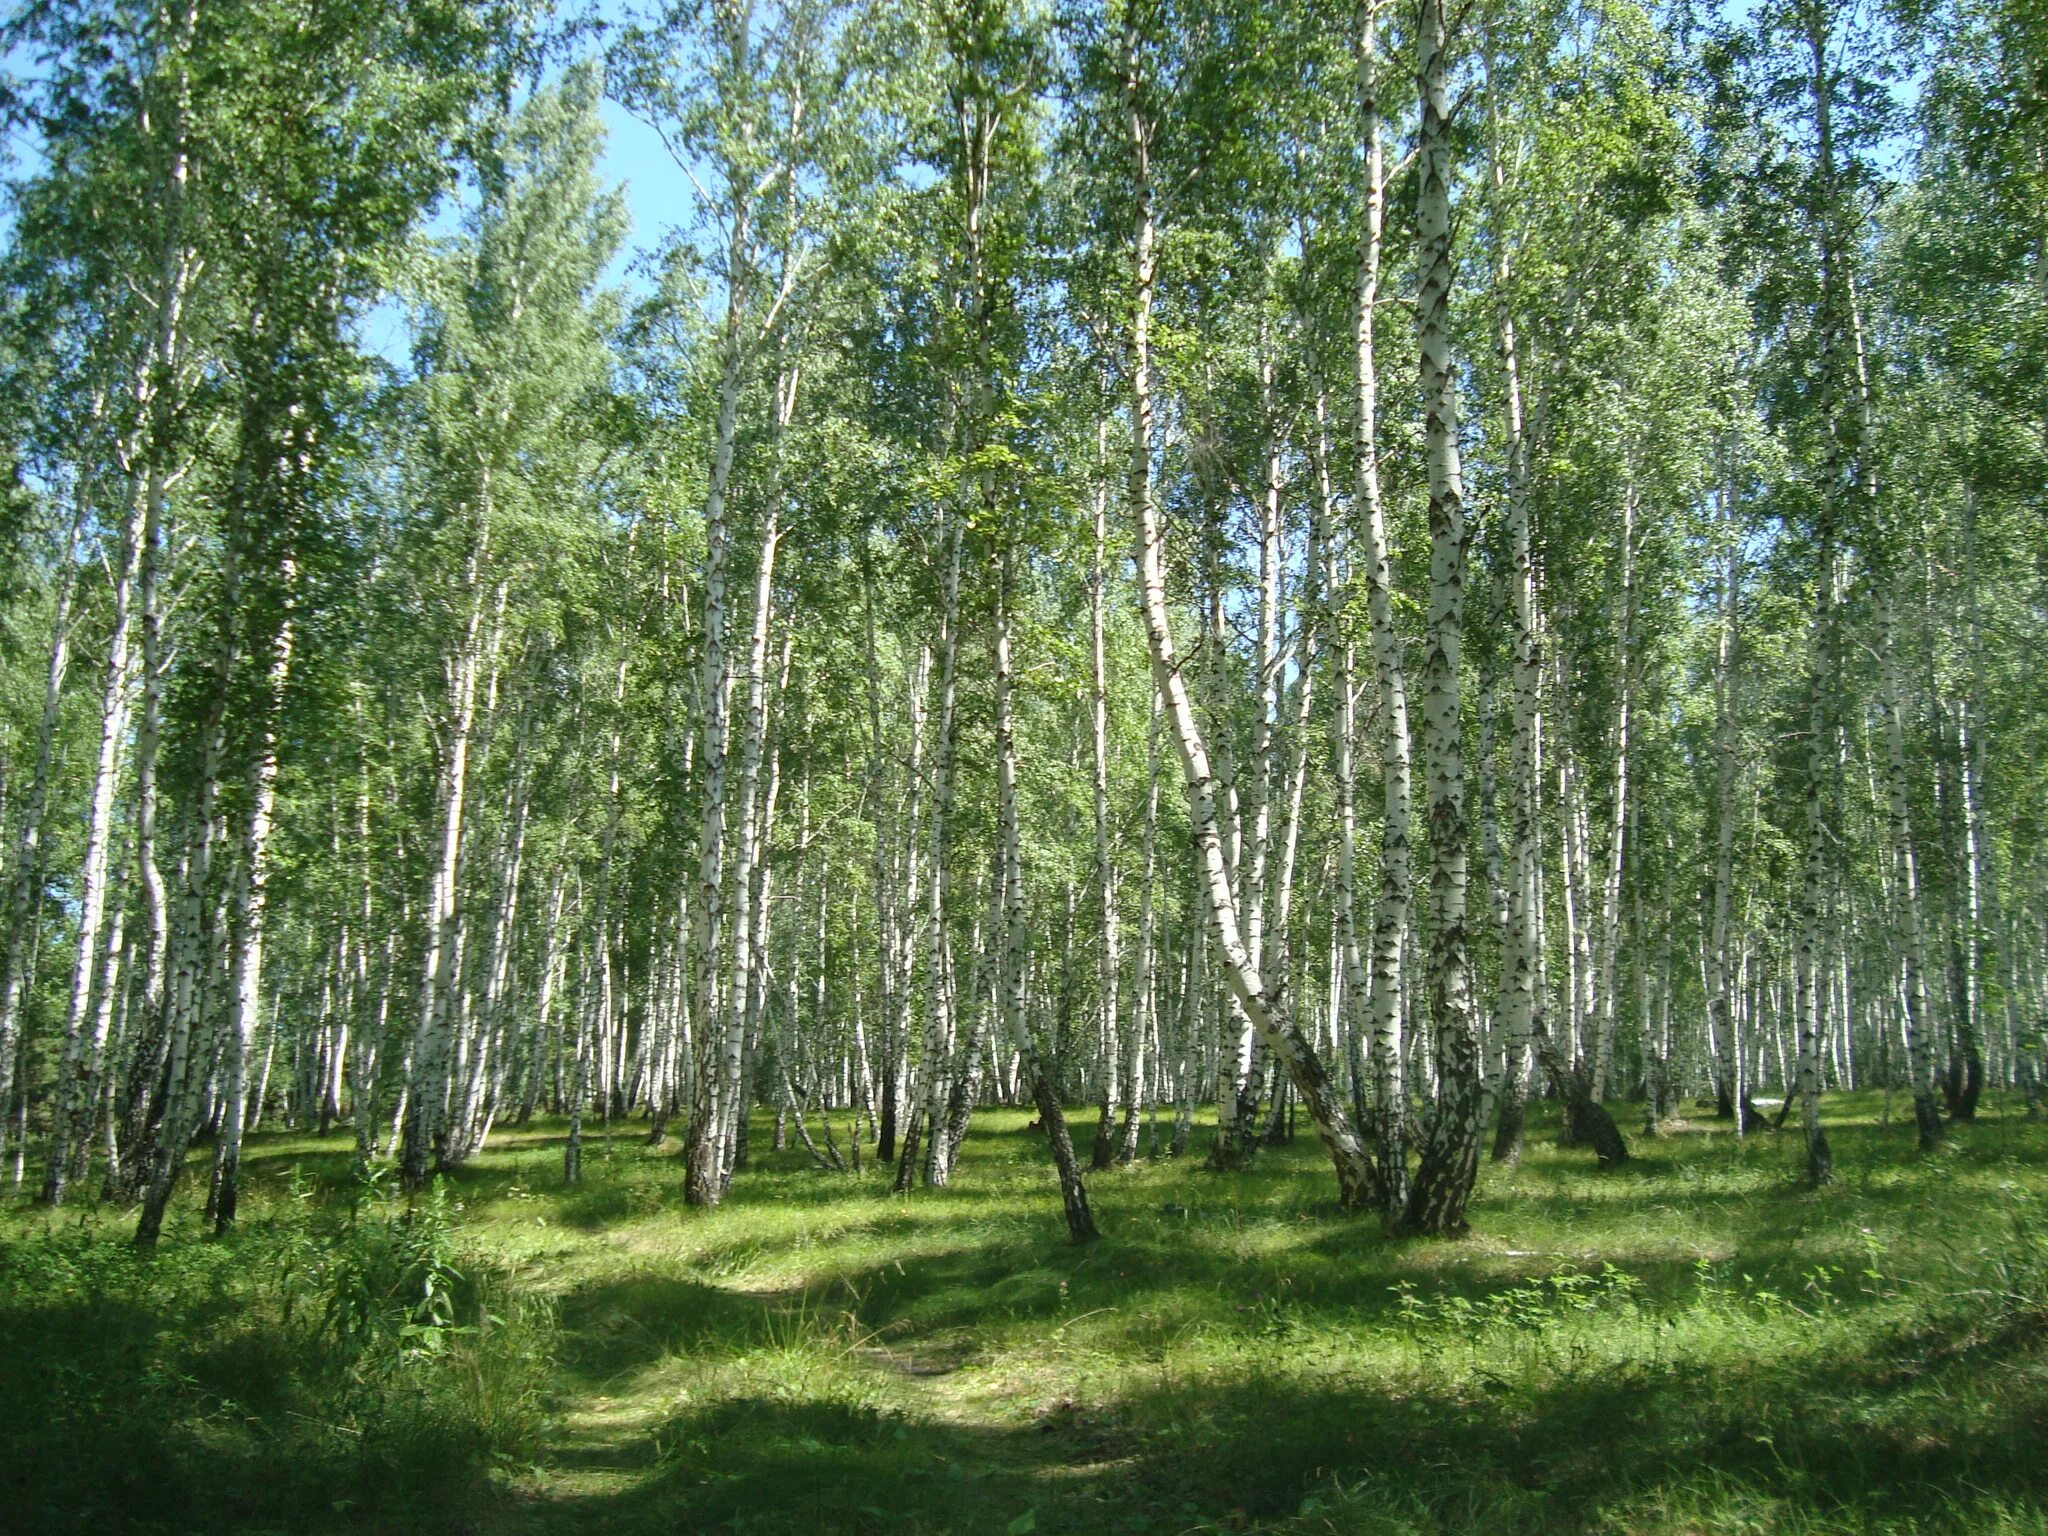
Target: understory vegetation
(1692, 1342)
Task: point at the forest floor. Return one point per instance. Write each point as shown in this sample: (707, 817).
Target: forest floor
(1689, 1344)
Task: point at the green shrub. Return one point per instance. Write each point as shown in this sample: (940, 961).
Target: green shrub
(319, 1369)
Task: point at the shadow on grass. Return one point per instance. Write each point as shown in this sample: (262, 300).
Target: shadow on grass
(1918, 1437)
(166, 1403)
(183, 1416)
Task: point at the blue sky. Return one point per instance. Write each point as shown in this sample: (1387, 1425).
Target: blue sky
(657, 194)
(658, 197)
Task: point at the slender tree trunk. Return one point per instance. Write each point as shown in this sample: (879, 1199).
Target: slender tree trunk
(1727, 767)
(1609, 938)
(251, 902)
(728, 1111)
(1384, 993)
(1965, 1077)
(1144, 961)
(433, 1043)
(1843, 459)
(1450, 1148)
(1109, 961)
(196, 920)
(25, 888)
(1521, 995)
(1039, 1073)
(941, 995)
(1919, 1026)
(1984, 853)
(704, 1151)
(75, 1091)
(1813, 896)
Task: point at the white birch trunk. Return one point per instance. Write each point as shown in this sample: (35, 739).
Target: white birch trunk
(251, 905)
(1609, 936)
(433, 1044)
(1727, 747)
(1384, 992)
(704, 1151)
(730, 1111)
(940, 992)
(1450, 1149)
(71, 1112)
(1108, 959)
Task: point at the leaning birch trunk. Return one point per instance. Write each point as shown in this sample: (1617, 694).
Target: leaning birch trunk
(1919, 1026)
(189, 989)
(1450, 1149)
(1235, 1038)
(143, 448)
(1262, 1001)
(145, 1058)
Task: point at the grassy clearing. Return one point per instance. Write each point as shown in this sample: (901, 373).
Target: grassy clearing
(1691, 1344)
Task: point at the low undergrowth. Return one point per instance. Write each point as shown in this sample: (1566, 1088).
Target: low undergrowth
(1691, 1344)
(358, 1362)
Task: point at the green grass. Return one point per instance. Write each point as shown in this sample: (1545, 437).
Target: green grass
(1688, 1344)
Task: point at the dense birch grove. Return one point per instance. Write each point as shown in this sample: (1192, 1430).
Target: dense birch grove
(1359, 565)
